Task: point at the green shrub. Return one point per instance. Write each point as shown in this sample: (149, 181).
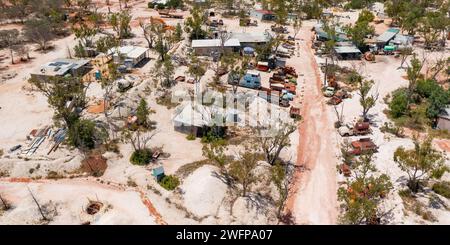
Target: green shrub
(442, 188)
(365, 16)
(353, 78)
(169, 182)
(389, 128)
(151, 5)
(190, 137)
(175, 4)
(405, 193)
(399, 103)
(356, 4)
(215, 135)
(141, 157)
(54, 175)
(131, 183)
(426, 87)
(82, 134)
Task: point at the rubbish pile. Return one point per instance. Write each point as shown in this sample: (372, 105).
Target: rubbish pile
(38, 136)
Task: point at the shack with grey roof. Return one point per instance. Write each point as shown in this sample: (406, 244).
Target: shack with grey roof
(62, 68)
(207, 47)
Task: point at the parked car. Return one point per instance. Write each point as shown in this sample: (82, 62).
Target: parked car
(329, 92)
(283, 54)
(252, 79)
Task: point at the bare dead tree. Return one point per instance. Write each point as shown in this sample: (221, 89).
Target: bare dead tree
(6, 205)
(272, 142)
(404, 54)
(38, 205)
(440, 64)
(282, 176)
(148, 30)
(140, 141)
(339, 115)
(223, 36)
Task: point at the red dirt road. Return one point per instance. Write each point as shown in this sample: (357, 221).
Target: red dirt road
(313, 195)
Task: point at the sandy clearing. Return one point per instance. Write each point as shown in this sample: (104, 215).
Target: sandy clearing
(123, 206)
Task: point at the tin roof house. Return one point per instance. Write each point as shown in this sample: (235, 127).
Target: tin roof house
(207, 47)
(347, 50)
(261, 14)
(131, 55)
(387, 36)
(62, 68)
(322, 35)
(251, 39)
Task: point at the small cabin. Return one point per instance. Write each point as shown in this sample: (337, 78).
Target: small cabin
(158, 173)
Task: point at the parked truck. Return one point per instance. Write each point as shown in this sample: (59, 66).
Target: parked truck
(360, 128)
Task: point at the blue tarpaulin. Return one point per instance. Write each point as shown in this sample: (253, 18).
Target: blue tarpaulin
(249, 50)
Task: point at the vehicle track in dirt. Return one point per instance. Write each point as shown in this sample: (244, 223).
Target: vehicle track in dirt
(313, 198)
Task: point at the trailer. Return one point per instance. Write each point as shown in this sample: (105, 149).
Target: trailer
(262, 66)
(277, 86)
(363, 145)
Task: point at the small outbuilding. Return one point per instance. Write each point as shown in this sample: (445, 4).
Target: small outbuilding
(347, 51)
(263, 14)
(158, 173)
(129, 55)
(62, 67)
(387, 36)
(443, 120)
(252, 39)
(322, 35)
(402, 41)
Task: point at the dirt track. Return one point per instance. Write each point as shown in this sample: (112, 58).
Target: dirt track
(313, 197)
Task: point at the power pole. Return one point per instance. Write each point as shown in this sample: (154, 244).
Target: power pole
(326, 72)
(39, 206)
